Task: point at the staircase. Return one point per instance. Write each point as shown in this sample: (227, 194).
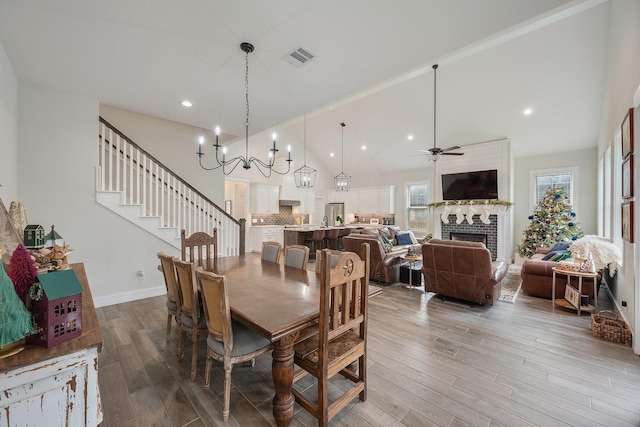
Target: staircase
(136, 186)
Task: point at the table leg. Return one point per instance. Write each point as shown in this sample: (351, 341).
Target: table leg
(580, 294)
(282, 372)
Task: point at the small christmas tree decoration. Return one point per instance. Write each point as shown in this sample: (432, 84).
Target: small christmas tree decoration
(53, 238)
(22, 271)
(15, 320)
(552, 221)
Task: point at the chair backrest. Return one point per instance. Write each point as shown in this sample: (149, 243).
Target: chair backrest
(344, 297)
(187, 288)
(271, 251)
(217, 311)
(296, 256)
(200, 248)
(317, 235)
(332, 233)
(169, 273)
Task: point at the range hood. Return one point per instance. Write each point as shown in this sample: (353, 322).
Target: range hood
(289, 202)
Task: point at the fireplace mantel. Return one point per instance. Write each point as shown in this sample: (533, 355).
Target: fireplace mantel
(494, 220)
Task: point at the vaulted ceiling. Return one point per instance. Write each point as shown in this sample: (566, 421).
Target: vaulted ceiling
(372, 69)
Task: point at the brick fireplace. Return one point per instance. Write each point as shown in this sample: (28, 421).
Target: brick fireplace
(476, 232)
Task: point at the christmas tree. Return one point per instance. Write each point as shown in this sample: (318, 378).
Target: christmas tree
(15, 320)
(552, 221)
(22, 271)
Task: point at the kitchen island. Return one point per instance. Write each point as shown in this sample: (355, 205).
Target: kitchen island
(296, 235)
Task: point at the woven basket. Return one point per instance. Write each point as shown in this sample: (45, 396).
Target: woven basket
(606, 326)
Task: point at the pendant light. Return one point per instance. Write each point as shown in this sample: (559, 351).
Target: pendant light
(305, 176)
(342, 181)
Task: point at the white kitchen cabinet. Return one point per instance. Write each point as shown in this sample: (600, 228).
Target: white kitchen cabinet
(307, 197)
(386, 199)
(266, 234)
(265, 198)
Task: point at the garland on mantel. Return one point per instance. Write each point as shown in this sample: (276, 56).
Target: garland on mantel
(494, 202)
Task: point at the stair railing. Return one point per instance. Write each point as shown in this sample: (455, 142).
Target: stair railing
(142, 180)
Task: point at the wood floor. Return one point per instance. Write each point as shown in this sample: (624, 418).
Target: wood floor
(431, 363)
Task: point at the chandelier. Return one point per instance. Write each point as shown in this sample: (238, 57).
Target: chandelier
(305, 176)
(342, 181)
(228, 166)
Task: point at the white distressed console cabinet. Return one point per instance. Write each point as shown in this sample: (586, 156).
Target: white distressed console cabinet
(55, 386)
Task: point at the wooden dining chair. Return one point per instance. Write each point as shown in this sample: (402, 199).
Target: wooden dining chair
(296, 256)
(342, 337)
(169, 274)
(200, 248)
(228, 342)
(271, 251)
(192, 320)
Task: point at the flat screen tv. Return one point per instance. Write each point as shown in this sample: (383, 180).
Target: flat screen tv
(478, 185)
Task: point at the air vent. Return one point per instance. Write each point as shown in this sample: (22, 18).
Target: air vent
(299, 57)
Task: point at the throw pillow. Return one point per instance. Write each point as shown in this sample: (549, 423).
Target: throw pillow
(560, 246)
(550, 255)
(554, 255)
(414, 241)
(386, 240)
(404, 239)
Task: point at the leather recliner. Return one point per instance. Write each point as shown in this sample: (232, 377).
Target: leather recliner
(462, 270)
(383, 266)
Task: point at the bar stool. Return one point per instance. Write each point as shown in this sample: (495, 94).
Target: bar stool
(331, 238)
(343, 232)
(316, 237)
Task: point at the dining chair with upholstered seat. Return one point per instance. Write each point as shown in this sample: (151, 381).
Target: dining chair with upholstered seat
(169, 274)
(200, 248)
(271, 251)
(192, 320)
(342, 335)
(228, 341)
(296, 256)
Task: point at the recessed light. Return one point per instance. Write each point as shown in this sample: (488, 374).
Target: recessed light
(527, 111)
(186, 103)
(364, 147)
(331, 154)
(410, 137)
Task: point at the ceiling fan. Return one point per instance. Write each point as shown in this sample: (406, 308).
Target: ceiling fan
(436, 152)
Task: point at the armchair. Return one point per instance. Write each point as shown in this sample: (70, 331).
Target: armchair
(462, 270)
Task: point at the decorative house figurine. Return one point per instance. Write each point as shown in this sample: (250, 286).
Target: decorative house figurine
(34, 236)
(56, 307)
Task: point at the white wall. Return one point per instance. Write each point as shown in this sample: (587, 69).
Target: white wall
(8, 130)
(57, 157)
(622, 81)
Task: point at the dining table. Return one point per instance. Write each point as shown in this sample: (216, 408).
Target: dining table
(277, 302)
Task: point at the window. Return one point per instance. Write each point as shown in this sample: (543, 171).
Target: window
(417, 210)
(565, 178)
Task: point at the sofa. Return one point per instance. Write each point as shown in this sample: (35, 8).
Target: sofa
(537, 277)
(462, 270)
(385, 258)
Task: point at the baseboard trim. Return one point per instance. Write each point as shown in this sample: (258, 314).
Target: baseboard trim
(129, 296)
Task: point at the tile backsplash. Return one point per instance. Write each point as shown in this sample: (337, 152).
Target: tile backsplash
(284, 217)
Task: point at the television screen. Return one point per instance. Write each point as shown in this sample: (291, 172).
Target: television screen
(479, 185)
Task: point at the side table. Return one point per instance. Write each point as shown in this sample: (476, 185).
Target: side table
(412, 260)
(579, 275)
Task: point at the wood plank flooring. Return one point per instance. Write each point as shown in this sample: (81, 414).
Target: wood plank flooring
(431, 363)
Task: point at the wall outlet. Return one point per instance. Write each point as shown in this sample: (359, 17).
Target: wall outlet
(140, 274)
(624, 303)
